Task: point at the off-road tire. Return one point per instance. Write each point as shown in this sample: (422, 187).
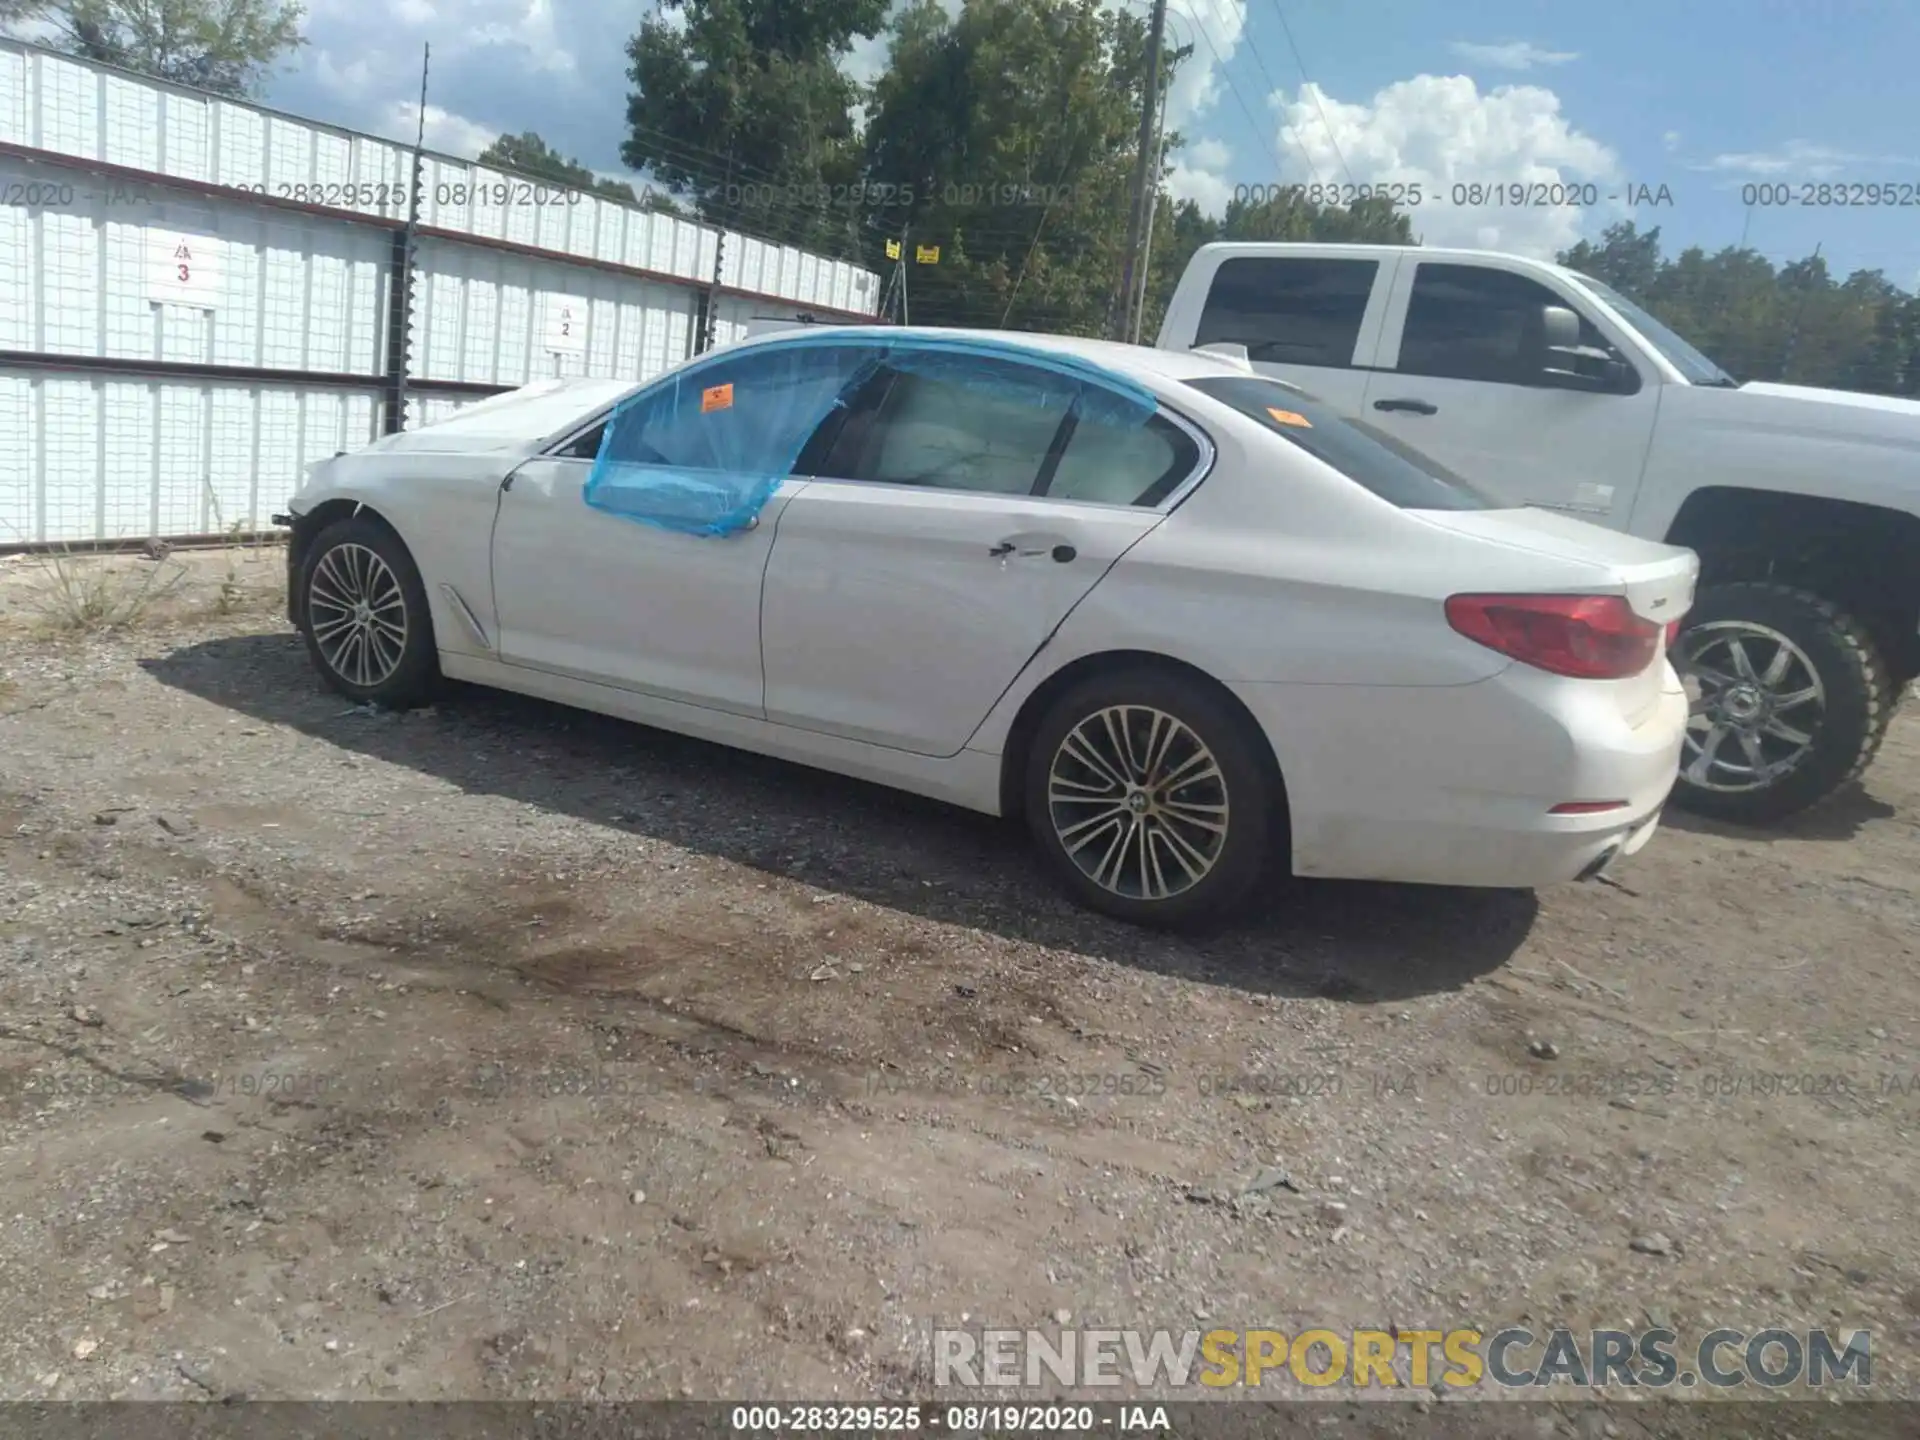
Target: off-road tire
(1860, 698)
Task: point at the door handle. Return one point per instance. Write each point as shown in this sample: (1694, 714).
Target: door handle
(1062, 553)
(1415, 407)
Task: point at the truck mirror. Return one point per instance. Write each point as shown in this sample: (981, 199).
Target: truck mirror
(1560, 327)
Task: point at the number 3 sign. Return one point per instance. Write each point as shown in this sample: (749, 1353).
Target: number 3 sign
(183, 269)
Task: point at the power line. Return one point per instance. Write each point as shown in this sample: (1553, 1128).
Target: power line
(1307, 84)
(1259, 129)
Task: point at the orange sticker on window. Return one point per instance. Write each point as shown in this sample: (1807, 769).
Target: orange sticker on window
(716, 397)
(1289, 417)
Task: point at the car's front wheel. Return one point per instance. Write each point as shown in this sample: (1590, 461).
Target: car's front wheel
(1789, 699)
(364, 613)
(1149, 799)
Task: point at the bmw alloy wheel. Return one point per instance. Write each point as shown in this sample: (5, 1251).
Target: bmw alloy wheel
(357, 613)
(1755, 704)
(1138, 802)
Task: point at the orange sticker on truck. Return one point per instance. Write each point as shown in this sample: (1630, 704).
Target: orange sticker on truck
(716, 397)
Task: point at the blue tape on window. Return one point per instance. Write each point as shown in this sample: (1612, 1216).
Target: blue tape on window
(703, 452)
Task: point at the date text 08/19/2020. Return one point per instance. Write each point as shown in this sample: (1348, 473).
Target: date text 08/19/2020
(1465, 194)
(969, 1420)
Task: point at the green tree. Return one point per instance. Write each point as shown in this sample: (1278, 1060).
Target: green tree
(527, 154)
(1005, 136)
(740, 108)
(1796, 323)
(227, 46)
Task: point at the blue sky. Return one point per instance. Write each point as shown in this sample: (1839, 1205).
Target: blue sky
(1702, 97)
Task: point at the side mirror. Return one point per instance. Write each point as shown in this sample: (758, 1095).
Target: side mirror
(1560, 326)
(1569, 365)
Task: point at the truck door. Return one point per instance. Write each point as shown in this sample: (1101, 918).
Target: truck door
(1313, 319)
(1469, 372)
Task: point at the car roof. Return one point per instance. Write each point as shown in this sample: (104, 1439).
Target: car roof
(550, 409)
(1140, 362)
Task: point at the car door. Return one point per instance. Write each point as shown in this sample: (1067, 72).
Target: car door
(597, 596)
(1465, 375)
(1313, 320)
(950, 522)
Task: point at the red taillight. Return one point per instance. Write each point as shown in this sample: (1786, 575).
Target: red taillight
(1673, 633)
(1590, 637)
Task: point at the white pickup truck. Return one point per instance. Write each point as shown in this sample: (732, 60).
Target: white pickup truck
(1544, 387)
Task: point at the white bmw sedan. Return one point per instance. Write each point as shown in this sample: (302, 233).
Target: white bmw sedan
(1181, 618)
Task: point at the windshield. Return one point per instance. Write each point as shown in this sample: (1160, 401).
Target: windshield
(1396, 472)
(1698, 369)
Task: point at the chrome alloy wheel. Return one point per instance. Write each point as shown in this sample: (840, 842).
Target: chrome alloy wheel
(1754, 705)
(358, 615)
(1138, 802)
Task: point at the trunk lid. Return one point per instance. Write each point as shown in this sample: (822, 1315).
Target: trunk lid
(1657, 580)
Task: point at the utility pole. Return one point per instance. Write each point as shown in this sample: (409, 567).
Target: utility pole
(709, 311)
(400, 273)
(1139, 300)
(904, 242)
(1117, 316)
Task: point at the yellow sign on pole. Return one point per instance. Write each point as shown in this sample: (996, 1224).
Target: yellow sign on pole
(893, 249)
(927, 254)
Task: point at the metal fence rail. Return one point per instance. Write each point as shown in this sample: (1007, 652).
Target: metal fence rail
(200, 297)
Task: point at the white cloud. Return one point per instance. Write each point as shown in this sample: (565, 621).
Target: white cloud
(1208, 154)
(866, 61)
(532, 30)
(1198, 174)
(352, 78)
(1437, 131)
(1798, 160)
(1512, 54)
(1671, 140)
(1213, 28)
(446, 132)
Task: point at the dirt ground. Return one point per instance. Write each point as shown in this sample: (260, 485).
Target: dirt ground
(497, 1050)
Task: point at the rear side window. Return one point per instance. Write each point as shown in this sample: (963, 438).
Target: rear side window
(1397, 473)
(944, 432)
(1289, 311)
(1123, 464)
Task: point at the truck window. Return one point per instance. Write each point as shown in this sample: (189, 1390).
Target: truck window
(1468, 322)
(1397, 473)
(1289, 311)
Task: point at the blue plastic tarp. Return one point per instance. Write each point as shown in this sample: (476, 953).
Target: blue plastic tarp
(703, 452)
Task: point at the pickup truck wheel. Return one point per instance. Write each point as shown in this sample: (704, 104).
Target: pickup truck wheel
(1789, 699)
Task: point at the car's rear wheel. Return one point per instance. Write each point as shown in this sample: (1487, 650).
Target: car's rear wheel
(364, 614)
(1148, 797)
(1789, 700)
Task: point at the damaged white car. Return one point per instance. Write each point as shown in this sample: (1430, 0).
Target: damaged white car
(1185, 621)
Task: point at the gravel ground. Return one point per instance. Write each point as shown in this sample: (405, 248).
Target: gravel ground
(497, 1050)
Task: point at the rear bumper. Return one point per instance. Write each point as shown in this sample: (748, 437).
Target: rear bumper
(1453, 785)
